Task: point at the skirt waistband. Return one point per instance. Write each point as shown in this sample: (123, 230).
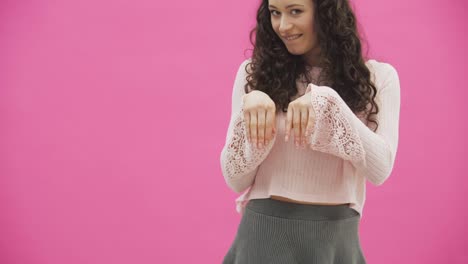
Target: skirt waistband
(290, 210)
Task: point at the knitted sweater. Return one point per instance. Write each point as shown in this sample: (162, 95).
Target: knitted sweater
(342, 151)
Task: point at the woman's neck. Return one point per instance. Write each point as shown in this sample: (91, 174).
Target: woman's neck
(312, 58)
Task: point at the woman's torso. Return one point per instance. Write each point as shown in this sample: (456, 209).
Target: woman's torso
(301, 91)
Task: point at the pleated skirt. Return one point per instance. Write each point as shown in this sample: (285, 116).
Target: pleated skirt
(279, 232)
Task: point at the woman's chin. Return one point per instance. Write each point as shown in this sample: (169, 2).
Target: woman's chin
(296, 52)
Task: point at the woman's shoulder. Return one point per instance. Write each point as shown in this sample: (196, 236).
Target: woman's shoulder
(381, 70)
(245, 62)
(242, 69)
(379, 66)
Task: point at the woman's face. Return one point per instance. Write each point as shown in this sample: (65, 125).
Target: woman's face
(293, 22)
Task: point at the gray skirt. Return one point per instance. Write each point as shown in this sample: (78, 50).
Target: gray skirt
(273, 231)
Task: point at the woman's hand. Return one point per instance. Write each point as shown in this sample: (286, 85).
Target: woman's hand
(260, 118)
(300, 117)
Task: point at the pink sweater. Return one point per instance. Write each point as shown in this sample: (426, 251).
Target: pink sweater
(342, 151)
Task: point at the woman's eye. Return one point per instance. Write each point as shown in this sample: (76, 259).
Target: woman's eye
(294, 12)
(298, 11)
(273, 12)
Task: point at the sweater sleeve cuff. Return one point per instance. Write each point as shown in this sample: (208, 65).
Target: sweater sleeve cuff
(333, 132)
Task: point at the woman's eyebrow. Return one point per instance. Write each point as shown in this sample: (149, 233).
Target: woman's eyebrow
(288, 6)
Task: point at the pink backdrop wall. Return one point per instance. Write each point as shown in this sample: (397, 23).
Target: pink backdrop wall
(114, 113)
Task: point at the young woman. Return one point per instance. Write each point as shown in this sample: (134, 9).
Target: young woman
(307, 79)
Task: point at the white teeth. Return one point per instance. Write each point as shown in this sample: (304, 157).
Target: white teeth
(293, 37)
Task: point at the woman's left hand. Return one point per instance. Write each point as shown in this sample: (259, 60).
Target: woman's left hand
(300, 117)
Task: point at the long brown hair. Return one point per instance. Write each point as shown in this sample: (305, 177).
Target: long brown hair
(342, 62)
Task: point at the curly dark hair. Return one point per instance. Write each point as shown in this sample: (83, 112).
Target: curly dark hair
(342, 62)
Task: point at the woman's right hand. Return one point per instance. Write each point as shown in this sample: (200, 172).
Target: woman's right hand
(260, 118)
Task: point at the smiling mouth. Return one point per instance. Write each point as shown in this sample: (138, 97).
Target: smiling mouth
(293, 37)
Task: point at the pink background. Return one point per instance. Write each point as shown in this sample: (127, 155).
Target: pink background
(114, 113)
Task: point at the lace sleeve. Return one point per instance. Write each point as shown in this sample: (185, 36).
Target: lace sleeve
(338, 131)
(239, 159)
(333, 132)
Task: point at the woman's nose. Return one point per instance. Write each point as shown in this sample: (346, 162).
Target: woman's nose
(285, 25)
